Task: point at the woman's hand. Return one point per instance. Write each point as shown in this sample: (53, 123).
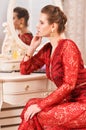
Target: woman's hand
(36, 41)
(31, 111)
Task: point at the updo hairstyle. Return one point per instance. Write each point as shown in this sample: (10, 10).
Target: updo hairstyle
(22, 13)
(55, 15)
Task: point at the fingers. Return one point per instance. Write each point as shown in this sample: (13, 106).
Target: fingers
(31, 111)
(36, 38)
(32, 115)
(27, 114)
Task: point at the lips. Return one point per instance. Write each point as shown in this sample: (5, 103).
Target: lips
(38, 32)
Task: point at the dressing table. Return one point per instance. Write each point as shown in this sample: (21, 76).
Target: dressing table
(15, 91)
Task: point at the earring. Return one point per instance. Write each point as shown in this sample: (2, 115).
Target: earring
(21, 25)
(52, 33)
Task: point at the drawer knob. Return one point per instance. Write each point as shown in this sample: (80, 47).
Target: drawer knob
(26, 88)
(13, 67)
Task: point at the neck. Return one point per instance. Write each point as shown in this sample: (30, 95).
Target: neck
(23, 30)
(55, 39)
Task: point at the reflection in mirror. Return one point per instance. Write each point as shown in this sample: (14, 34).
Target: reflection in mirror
(13, 47)
(10, 61)
(20, 21)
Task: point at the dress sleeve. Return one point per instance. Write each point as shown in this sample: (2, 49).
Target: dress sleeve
(34, 63)
(70, 61)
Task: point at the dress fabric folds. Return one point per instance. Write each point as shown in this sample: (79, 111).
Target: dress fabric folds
(26, 38)
(64, 108)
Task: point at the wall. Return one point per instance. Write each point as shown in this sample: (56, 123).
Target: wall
(3, 10)
(76, 25)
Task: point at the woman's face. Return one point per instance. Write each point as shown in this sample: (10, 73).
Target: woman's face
(16, 21)
(43, 27)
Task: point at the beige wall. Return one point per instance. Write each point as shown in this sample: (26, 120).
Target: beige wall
(3, 9)
(76, 26)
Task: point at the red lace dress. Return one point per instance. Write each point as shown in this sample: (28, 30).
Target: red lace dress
(26, 38)
(64, 108)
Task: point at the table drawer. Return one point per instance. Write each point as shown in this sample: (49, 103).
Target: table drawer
(21, 99)
(25, 86)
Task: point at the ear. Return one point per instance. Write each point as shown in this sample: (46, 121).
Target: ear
(22, 20)
(54, 26)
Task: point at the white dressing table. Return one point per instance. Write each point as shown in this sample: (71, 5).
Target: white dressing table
(16, 90)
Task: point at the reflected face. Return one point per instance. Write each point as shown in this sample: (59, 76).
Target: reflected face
(43, 27)
(16, 21)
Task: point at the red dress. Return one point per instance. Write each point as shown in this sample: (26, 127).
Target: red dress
(64, 108)
(26, 38)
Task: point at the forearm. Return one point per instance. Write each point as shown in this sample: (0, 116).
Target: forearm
(57, 96)
(29, 53)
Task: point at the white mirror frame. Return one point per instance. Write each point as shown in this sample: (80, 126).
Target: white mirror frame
(11, 5)
(11, 25)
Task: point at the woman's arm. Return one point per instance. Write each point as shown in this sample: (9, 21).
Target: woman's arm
(32, 63)
(25, 65)
(29, 64)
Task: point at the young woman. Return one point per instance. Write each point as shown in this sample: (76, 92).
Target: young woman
(20, 19)
(64, 108)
